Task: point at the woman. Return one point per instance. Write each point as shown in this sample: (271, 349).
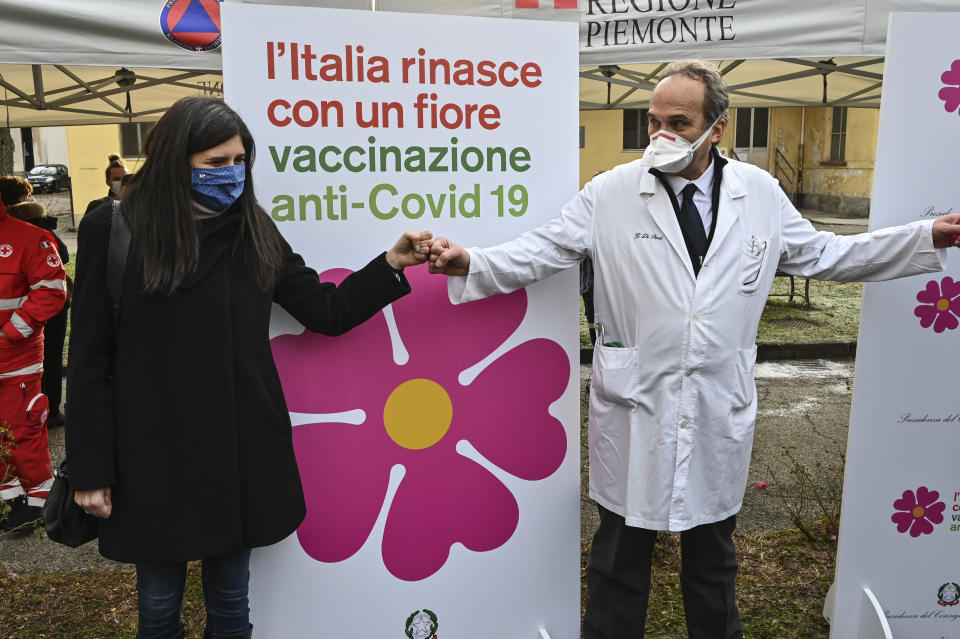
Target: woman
(179, 436)
(16, 193)
(114, 174)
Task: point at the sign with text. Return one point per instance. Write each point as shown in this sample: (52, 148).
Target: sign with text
(184, 34)
(633, 31)
(438, 445)
(900, 526)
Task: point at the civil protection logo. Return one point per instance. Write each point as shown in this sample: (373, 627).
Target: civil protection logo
(421, 624)
(193, 25)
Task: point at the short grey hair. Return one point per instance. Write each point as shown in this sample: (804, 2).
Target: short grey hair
(716, 100)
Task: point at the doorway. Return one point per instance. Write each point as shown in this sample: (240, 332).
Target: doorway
(751, 134)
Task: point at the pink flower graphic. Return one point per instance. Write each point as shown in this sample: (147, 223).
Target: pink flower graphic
(414, 414)
(950, 94)
(941, 305)
(918, 512)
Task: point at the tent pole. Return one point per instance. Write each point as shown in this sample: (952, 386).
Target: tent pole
(38, 85)
(803, 130)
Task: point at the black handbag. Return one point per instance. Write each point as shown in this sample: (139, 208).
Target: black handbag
(63, 520)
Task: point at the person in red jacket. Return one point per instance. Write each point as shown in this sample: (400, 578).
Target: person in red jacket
(33, 288)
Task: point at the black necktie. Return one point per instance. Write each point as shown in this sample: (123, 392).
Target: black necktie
(692, 223)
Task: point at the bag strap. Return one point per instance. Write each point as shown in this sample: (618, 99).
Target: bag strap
(117, 249)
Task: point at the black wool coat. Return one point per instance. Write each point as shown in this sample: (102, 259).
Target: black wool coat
(186, 419)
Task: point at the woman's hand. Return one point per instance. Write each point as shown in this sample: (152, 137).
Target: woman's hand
(96, 502)
(411, 249)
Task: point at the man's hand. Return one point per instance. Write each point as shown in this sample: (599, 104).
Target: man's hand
(411, 249)
(946, 231)
(96, 502)
(448, 259)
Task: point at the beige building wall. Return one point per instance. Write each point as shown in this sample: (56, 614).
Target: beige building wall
(603, 142)
(88, 149)
(785, 127)
(839, 188)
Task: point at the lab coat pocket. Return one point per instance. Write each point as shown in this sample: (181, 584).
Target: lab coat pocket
(744, 387)
(616, 374)
(751, 264)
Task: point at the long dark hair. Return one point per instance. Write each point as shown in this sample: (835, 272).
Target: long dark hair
(159, 207)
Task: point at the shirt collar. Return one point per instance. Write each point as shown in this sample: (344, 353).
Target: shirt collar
(704, 183)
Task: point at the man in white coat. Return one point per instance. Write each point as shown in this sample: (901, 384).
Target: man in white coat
(685, 245)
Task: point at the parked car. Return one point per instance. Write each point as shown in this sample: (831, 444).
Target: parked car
(48, 178)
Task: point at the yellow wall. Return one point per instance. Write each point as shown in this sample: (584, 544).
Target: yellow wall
(88, 148)
(785, 135)
(855, 179)
(603, 143)
(603, 147)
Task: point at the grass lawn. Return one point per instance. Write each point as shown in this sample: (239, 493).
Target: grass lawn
(834, 315)
(782, 584)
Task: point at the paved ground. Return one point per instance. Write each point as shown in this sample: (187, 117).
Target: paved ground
(839, 225)
(803, 405)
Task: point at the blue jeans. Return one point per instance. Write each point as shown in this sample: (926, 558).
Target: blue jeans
(160, 588)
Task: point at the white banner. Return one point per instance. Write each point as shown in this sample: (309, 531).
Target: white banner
(900, 525)
(185, 34)
(634, 31)
(438, 445)
(179, 34)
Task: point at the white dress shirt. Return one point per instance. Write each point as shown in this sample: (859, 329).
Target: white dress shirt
(702, 198)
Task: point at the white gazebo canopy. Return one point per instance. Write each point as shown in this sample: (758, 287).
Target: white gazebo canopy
(65, 62)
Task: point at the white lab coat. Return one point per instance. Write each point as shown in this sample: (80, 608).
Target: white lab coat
(672, 413)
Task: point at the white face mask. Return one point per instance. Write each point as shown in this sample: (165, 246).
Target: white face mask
(671, 153)
(115, 186)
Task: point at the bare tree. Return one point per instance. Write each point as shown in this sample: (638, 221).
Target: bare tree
(6, 152)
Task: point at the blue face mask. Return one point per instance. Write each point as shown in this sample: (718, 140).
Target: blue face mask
(218, 188)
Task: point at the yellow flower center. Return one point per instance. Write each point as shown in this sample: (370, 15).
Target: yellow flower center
(918, 512)
(418, 414)
(943, 304)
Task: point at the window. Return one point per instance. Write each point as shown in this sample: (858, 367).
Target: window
(752, 125)
(838, 135)
(635, 136)
(132, 135)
